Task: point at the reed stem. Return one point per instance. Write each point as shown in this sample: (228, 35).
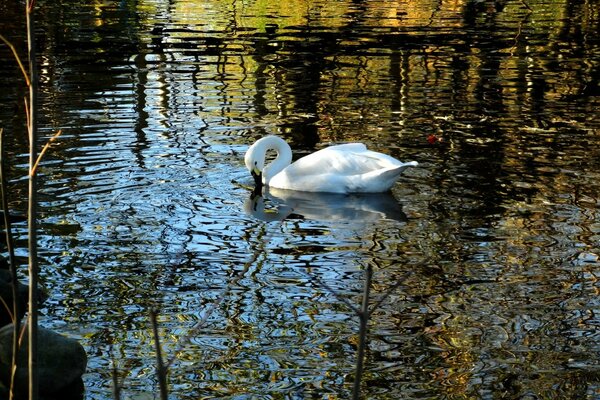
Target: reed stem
(32, 207)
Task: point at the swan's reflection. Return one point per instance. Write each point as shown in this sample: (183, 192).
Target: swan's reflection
(277, 205)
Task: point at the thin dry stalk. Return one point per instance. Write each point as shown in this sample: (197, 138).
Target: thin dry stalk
(12, 264)
(362, 341)
(116, 383)
(17, 58)
(115, 377)
(163, 367)
(161, 370)
(26, 101)
(331, 290)
(44, 150)
(32, 207)
(209, 310)
(7, 308)
(34, 160)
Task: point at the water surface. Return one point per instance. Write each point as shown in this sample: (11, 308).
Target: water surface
(484, 258)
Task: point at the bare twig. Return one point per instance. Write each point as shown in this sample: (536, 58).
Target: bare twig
(17, 58)
(200, 324)
(208, 312)
(7, 308)
(44, 149)
(195, 329)
(331, 290)
(389, 291)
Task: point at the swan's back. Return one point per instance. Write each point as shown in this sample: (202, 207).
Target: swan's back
(343, 168)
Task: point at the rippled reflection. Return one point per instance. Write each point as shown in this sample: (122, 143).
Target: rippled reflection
(323, 206)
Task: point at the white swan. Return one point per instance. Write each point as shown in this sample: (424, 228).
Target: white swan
(345, 168)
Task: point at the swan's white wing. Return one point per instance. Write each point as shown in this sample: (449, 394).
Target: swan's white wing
(346, 159)
(340, 169)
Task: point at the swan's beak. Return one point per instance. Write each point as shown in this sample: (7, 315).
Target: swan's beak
(257, 175)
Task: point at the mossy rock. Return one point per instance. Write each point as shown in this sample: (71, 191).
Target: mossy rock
(61, 361)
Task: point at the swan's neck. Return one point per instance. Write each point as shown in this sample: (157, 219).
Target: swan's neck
(257, 153)
(282, 159)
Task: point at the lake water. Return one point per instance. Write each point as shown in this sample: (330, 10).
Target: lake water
(484, 258)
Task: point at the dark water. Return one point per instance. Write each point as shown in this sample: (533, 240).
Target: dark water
(485, 257)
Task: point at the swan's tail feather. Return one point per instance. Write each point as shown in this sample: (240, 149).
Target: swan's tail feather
(381, 180)
(394, 172)
(405, 165)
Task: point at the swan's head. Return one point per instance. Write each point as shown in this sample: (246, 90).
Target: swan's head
(255, 162)
(256, 155)
(258, 181)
